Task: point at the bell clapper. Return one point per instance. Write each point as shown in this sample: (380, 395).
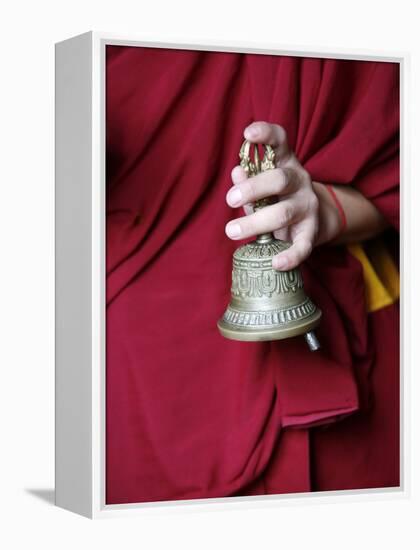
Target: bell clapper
(312, 341)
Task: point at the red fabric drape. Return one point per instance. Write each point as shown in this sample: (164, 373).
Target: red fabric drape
(189, 413)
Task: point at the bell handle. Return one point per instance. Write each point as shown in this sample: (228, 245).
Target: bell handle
(255, 166)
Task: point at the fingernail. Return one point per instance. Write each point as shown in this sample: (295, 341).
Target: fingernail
(279, 263)
(238, 174)
(251, 133)
(234, 197)
(233, 230)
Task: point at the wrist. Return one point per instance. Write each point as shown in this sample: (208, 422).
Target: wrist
(330, 218)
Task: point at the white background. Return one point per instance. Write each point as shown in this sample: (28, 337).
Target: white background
(28, 33)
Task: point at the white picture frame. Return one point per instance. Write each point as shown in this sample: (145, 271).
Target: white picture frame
(80, 279)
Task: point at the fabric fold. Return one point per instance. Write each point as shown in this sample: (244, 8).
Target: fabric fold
(189, 413)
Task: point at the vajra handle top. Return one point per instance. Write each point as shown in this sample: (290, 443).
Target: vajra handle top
(255, 165)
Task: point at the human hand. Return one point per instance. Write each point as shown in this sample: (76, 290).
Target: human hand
(295, 217)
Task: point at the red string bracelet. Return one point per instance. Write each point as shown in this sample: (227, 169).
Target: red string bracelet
(339, 207)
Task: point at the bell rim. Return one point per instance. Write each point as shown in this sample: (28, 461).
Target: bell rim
(231, 332)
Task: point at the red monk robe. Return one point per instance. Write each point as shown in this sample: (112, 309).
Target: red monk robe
(189, 413)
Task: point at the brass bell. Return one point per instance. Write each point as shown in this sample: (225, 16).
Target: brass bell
(266, 304)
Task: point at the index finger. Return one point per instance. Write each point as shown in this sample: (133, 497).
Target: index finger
(270, 134)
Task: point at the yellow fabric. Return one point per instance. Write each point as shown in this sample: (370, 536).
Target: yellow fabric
(382, 280)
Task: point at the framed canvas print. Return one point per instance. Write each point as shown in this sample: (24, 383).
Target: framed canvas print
(227, 259)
